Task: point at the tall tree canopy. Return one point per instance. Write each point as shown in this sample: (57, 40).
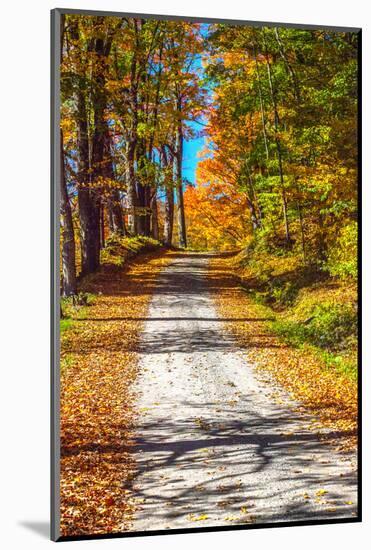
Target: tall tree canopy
(282, 133)
(277, 108)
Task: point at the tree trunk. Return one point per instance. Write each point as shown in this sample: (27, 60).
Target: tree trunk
(254, 219)
(102, 238)
(262, 112)
(278, 147)
(290, 68)
(86, 206)
(143, 193)
(85, 202)
(69, 287)
(253, 205)
(115, 214)
(148, 191)
(169, 199)
(132, 136)
(179, 186)
(301, 221)
(169, 216)
(98, 146)
(68, 237)
(300, 213)
(131, 188)
(154, 218)
(141, 222)
(322, 248)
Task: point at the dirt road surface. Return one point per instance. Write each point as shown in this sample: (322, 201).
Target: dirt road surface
(213, 447)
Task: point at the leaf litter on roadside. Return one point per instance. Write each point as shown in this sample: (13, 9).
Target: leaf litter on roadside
(330, 396)
(97, 401)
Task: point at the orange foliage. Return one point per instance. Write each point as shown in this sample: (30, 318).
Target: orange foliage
(217, 214)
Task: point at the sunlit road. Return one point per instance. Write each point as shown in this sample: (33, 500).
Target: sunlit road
(212, 446)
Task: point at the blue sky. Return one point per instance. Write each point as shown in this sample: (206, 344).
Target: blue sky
(192, 147)
(190, 151)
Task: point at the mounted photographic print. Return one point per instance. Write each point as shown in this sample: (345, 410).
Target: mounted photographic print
(205, 209)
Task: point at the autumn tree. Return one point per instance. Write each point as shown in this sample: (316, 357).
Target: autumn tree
(277, 107)
(282, 131)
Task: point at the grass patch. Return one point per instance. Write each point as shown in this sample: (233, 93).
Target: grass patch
(66, 361)
(65, 324)
(310, 309)
(330, 332)
(329, 327)
(343, 364)
(119, 249)
(74, 307)
(315, 337)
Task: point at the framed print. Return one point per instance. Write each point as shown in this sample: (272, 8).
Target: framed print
(205, 274)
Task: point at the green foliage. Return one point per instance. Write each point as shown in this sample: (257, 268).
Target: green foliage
(310, 308)
(276, 273)
(328, 332)
(332, 324)
(343, 364)
(85, 299)
(65, 324)
(141, 244)
(284, 292)
(286, 106)
(342, 260)
(74, 306)
(329, 327)
(316, 335)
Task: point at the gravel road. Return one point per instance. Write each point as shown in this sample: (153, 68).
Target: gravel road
(213, 447)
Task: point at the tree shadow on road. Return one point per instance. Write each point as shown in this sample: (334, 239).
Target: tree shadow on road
(260, 465)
